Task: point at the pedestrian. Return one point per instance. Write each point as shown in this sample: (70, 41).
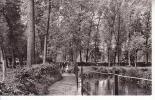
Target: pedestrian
(76, 69)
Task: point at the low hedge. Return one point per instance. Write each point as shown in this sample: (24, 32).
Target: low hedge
(139, 64)
(34, 80)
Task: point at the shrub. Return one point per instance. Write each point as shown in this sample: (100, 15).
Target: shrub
(35, 80)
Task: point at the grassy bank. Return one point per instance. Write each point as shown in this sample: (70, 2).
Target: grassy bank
(31, 81)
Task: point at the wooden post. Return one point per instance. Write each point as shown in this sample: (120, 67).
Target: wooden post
(82, 80)
(76, 73)
(116, 83)
(108, 83)
(77, 79)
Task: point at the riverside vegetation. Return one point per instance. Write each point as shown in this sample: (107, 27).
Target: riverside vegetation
(32, 81)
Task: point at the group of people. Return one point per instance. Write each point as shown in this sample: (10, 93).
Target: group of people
(64, 67)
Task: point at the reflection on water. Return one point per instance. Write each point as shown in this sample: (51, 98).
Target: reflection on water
(106, 87)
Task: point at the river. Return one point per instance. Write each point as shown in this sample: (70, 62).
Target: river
(100, 86)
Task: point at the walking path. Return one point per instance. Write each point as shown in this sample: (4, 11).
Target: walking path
(66, 86)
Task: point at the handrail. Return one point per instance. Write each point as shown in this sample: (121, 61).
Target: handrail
(134, 77)
(124, 76)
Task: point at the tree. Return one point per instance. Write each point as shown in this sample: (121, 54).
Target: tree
(147, 32)
(137, 44)
(2, 28)
(46, 35)
(128, 16)
(108, 23)
(88, 39)
(30, 34)
(3, 62)
(2, 55)
(11, 13)
(75, 27)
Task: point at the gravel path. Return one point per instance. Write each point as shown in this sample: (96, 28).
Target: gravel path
(67, 86)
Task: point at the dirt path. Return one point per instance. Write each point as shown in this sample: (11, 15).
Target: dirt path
(67, 86)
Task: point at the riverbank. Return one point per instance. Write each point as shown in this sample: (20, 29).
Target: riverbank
(30, 81)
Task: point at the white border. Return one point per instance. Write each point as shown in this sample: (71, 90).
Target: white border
(99, 97)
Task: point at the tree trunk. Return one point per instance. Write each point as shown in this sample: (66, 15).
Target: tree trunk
(118, 57)
(80, 56)
(13, 59)
(75, 64)
(47, 32)
(20, 61)
(115, 58)
(34, 43)
(96, 37)
(3, 63)
(72, 56)
(147, 55)
(89, 34)
(7, 62)
(87, 55)
(95, 60)
(129, 54)
(109, 56)
(129, 59)
(118, 42)
(30, 29)
(45, 49)
(136, 59)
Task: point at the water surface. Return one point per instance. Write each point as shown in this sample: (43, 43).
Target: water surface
(106, 87)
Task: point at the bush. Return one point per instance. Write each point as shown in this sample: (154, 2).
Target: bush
(139, 64)
(35, 80)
